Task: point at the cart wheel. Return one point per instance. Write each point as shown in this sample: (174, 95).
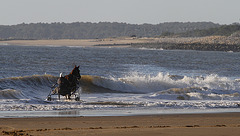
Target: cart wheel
(77, 99)
(49, 98)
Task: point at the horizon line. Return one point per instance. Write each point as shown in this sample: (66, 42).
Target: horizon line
(27, 23)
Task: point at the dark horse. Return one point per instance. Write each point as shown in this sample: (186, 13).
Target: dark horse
(67, 85)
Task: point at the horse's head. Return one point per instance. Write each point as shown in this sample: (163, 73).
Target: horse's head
(76, 72)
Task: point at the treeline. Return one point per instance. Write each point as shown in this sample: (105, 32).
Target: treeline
(87, 30)
(224, 30)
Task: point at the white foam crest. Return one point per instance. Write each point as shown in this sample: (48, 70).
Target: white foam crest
(137, 83)
(143, 48)
(216, 82)
(194, 94)
(140, 83)
(149, 83)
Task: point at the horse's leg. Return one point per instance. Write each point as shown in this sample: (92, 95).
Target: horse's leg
(69, 97)
(58, 96)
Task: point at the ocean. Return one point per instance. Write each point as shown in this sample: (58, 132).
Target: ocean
(118, 81)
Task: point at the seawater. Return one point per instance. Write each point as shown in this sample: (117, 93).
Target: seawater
(118, 81)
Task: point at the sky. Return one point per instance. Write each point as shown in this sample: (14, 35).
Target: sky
(128, 11)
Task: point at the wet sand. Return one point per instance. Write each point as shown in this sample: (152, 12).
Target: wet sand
(214, 124)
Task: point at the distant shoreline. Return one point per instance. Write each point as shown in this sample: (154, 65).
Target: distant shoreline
(76, 42)
(210, 43)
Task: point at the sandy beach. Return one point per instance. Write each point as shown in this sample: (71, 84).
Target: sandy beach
(120, 42)
(210, 43)
(152, 125)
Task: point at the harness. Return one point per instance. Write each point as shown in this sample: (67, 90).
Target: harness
(66, 86)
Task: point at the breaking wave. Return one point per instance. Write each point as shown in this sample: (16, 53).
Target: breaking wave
(175, 87)
(10, 94)
(26, 87)
(160, 86)
(130, 91)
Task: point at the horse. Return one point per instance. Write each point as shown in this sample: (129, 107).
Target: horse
(67, 85)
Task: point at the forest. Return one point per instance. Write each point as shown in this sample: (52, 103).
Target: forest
(88, 30)
(223, 30)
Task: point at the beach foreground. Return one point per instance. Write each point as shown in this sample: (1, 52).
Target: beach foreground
(175, 124)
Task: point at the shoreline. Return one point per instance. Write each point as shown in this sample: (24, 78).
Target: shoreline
(169, 124)
(111, 113)
(210, 43)
(120, 42)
